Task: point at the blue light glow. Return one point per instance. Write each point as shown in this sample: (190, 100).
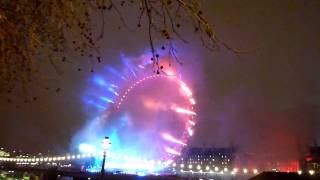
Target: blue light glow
(116, 73)
(99, 81)
(137, 146)
(106, 99)
(86, 148)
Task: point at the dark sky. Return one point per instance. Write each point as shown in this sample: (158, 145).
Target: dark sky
(267, 100)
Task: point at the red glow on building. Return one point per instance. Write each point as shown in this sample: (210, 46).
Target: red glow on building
(309, 157)
(291, 166)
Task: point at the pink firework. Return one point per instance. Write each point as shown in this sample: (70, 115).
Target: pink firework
(146, 115)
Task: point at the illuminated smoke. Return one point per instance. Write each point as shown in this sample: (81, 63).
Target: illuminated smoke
(185, 89)
(106, 99)
(184, 111)
(192, 122)
(190, 131)
(168, 137)
(172, 151)
(192, 101)
(86, 148)
(134, 107)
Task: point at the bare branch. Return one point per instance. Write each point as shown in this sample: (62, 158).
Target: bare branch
(32, 30)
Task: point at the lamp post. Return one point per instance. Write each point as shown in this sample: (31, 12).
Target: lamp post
(106, 143)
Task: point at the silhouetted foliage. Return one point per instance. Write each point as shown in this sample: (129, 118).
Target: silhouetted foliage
(42, 30)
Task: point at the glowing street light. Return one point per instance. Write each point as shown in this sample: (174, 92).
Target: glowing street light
(299, 172)
(182, 165)
(245, 170)
(255, 171)
(216, 169)
(235, 170)
(311, 172)
(106, 143)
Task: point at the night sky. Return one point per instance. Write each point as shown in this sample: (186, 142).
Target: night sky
(266, 100)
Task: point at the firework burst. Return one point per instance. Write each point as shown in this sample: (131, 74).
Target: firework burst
(148, 117)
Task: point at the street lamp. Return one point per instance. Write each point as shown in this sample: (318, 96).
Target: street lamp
(106, 143)
(311, 172)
